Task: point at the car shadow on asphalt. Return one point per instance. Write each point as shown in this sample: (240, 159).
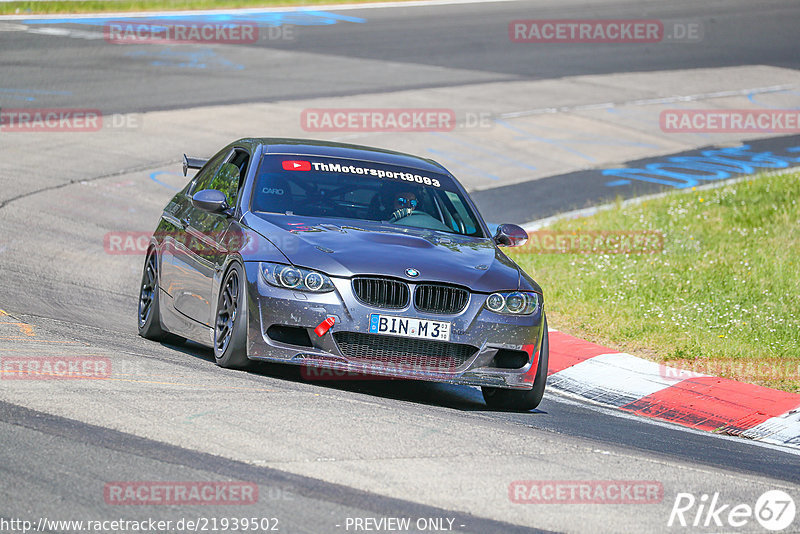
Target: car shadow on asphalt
(457, 397)
(190, 348)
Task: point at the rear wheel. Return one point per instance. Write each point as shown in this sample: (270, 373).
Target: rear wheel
(149, 315)
(230, 326)
(522, 400)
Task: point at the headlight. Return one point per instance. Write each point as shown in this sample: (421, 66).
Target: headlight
(513, 302)
(496, 302)
(290, 277)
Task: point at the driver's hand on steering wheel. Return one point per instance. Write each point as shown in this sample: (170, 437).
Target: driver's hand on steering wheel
(406, 200)
(399, 214)
(404, 204)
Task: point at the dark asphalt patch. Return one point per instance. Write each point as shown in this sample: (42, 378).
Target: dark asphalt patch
(529, 201)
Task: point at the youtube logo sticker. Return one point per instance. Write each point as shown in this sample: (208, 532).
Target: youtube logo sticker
(296, 165)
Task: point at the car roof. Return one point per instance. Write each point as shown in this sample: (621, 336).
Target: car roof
(312, 147)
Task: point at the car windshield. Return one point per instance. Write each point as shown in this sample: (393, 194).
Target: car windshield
(333, 187)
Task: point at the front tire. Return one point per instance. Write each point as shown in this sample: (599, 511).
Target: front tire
(149, 314)
(230, 325)
(522, 400)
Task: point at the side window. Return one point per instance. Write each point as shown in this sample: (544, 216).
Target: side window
(227, 177)
(207, 173)
(461, 213)
(230, 176)
(240, 158)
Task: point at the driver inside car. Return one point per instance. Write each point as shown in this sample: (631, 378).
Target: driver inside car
(404, 204)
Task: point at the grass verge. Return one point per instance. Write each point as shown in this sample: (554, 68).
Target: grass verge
(722, 297)
(120, 6)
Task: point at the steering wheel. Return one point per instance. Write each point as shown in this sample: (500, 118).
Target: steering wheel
(402, 213)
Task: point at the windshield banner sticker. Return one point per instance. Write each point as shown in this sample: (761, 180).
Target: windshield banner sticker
(352, 169)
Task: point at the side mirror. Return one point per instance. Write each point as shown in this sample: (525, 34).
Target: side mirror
(510, 235)
(210, 200)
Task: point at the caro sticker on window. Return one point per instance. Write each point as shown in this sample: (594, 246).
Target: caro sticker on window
(296, 165)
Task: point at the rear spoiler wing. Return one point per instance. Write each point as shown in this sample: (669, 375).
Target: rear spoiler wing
(192, 163)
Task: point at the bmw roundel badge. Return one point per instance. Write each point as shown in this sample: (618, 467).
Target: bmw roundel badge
(413, 273)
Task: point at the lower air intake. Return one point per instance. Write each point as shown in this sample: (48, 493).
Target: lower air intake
(403, 354)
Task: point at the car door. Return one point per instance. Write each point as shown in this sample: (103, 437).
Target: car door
(173, 255)
(206, 245)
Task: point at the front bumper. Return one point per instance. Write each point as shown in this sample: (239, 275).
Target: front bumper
(477, 354)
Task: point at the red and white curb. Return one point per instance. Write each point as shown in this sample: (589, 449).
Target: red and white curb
(693, 400)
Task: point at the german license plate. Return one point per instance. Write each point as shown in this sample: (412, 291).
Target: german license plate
(409, 327)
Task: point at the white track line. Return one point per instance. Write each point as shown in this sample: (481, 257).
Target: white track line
(245, 11)
(648, 101)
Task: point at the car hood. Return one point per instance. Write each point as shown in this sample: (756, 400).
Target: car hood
(356, 247)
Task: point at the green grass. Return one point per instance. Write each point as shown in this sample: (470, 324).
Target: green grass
(92, 6)
(722, 297)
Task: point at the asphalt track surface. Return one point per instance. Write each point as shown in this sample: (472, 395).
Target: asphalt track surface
(440, 46)
(58, 451)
